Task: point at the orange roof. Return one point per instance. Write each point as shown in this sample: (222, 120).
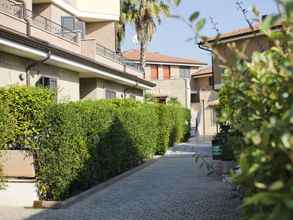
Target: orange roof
(203, 71)
(240, 32)
(133, 55)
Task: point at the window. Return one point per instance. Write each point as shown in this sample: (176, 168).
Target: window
(110, 94)
(47, 82)
(50, 83)
(211, 81)
(71, 24)
(154, 72)
(166, 72)
(184, 72)
(195, 98)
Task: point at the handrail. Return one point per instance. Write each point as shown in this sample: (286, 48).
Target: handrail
(106, 52)
(16, 10)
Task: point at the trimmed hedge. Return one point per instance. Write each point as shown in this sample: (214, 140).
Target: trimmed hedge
(27, 107)
(83, 143)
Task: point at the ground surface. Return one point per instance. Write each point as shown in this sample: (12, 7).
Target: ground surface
(174, 187)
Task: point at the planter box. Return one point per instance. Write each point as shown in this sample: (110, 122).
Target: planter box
(17, 163)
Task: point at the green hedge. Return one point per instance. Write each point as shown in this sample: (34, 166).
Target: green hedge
(77, 145)
(27, 107)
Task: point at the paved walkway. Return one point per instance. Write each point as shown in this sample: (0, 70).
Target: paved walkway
(174, 187)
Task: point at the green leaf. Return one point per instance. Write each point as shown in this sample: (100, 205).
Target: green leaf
(193, 16)
(276, 185)
(200, 24)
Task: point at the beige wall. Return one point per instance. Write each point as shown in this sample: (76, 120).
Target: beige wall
(173, 88)
(201, 83)
(250, 45)
(103, 32)
(11, 67)
(94, 88)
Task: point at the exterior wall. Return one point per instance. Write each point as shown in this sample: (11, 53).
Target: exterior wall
(251, 45)
(203, 115)
(94, 88)
(173, 88)
(200, 84)
(12, 67)
(103, 32)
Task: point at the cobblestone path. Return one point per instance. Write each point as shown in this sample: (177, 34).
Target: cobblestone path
(173, 187)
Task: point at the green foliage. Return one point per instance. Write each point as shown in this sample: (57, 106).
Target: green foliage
(27, 107)
(257, 101)
(77, 145)
(85, 143)
(7, 125)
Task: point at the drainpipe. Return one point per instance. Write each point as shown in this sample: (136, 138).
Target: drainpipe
(210, 51)
(30, 66)
(25, 18)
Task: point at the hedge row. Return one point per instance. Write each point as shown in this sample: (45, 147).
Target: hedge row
(77, 145)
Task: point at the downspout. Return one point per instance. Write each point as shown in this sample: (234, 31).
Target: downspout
(25, 18)
(30, 66)
(210, 51)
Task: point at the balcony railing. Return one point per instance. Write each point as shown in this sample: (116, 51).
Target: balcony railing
(105, 52)
(16, 9)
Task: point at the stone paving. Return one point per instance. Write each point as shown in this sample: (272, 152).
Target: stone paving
(174, 187)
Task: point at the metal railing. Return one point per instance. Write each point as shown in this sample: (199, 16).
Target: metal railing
(16, 9)
(11, 8)
(105, 52)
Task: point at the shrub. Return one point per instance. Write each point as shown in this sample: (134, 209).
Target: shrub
(257, 102)
(85, 143)
(27, 105)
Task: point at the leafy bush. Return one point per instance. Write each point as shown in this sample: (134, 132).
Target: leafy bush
(257, 101)
(27, 105)
(77, 145)
(85, 143)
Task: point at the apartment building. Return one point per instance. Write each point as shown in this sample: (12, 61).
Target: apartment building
(172, 75)
(68, 46)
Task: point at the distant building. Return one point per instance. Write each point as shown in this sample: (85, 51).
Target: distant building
(172, 75)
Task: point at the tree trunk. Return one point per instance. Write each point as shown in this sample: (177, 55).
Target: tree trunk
(142, 58)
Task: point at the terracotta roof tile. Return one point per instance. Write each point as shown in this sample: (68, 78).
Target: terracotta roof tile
(133, 55)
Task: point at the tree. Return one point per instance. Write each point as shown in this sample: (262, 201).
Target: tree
(144, 15)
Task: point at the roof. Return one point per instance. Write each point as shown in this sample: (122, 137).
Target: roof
(245, 31)
(45, 47)
(203, 72)
(134, 55)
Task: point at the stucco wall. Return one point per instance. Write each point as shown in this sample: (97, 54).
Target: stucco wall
(103, 32)
(94, 88)
(250, 45)
(12, 67)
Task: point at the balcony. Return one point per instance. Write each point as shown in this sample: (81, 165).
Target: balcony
(16, 9)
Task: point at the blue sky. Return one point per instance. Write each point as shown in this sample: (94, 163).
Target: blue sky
(172, 34)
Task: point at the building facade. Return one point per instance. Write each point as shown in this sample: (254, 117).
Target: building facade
(172, 75)
(68, 46)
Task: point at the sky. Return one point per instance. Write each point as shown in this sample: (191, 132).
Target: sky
(171, 37)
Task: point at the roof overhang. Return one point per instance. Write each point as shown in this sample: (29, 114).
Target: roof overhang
(202, 75)
(22, 50)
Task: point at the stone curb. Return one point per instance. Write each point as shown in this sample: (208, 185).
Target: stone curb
(77, 198)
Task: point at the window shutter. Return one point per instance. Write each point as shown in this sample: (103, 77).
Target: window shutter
(68, 23)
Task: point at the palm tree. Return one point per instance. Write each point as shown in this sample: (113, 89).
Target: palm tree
(145, 15)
